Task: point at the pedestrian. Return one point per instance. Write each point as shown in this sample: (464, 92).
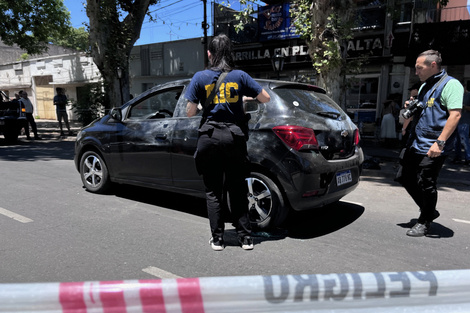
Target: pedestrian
(431, 137)
(29, 110)
(388, 125)
(221, 157)
(60, 102)
(464, 126)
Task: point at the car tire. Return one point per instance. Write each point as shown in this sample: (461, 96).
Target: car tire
(266, 204)
(11, 135)
(94, 172)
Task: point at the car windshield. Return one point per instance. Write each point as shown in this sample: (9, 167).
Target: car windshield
(310, 101)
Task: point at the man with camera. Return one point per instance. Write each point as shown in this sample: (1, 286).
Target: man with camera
(435, 117)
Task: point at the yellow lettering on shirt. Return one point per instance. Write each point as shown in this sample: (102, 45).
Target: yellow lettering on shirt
(430, 102)
(225, 92)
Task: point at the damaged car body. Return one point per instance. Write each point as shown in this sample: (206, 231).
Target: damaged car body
(304, 150)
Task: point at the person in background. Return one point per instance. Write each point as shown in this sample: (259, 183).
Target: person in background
(432, 127)
(60, 102)
(221, 156)
(463, 129)
(388, 128)
(29, 115)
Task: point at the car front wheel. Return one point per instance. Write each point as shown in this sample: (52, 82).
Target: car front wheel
(94, 172)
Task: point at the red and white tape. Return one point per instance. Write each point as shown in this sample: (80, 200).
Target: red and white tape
(436, 291)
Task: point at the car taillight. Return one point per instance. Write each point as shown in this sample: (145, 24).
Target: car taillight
(297, 137)
(357, 137)
(23, 110)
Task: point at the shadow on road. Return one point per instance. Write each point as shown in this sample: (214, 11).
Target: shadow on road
(36, 150)
(323, 221)
(173, 201)
(302, 225)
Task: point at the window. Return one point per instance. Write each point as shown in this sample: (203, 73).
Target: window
(161, 104)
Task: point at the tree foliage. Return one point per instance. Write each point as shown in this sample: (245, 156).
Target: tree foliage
(31, 23)
(76, 39)
(114, 28)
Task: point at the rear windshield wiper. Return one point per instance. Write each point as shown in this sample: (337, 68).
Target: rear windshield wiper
(328, 114)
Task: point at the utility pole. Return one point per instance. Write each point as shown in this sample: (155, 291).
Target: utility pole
(205, 26)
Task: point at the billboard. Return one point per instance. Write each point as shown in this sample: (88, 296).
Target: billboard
(274, 22)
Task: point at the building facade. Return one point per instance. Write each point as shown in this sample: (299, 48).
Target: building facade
(40, 76)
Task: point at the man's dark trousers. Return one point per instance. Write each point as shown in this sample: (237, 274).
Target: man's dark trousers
(420, 174)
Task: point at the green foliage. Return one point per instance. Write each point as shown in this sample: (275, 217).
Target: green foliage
(78, 39)
(91, 103)
(31, 23)
(24, 57)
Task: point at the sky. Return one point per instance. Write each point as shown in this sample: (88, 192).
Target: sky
(176, 20)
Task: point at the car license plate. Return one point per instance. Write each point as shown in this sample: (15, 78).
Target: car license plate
(343, 178)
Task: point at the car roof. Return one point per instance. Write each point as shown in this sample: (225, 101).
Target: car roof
(266, 83)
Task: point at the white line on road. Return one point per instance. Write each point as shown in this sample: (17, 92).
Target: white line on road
(352, 202)
(461, 221)
(16, 217)
(155, 271)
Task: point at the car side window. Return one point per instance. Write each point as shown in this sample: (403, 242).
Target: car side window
(159, 105)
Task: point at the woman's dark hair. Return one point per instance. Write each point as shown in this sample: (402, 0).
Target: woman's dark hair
(221, 51)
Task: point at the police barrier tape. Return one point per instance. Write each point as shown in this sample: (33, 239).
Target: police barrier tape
(432, 291)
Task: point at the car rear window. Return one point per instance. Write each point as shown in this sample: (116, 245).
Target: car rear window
(310, 101)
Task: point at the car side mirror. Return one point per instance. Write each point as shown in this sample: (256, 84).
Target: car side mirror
(116, 114)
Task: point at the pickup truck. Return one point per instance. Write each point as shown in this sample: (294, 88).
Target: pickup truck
(12, 118)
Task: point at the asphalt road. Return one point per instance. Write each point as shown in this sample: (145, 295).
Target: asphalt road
(52, 230)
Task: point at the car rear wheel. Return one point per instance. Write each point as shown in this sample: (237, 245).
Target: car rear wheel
(94, 172)
(265, 202)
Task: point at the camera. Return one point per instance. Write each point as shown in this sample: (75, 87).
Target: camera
(412, 108)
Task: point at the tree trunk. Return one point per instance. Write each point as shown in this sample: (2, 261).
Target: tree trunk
(112, 39)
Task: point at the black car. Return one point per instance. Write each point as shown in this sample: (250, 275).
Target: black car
(12, 118)
(304, 149)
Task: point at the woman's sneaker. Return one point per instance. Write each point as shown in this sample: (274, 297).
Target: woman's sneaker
(217, 244)
(246, 243)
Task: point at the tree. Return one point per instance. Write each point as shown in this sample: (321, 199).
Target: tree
(31, 23)
(77, 39)
(114, 28)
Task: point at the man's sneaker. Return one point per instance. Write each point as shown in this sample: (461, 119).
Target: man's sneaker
(419, 230)
(217, 245)
(246, 243)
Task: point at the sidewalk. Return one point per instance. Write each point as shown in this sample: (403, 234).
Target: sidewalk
(387, 159)
(49, 130)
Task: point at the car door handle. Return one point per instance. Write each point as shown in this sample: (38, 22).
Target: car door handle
(161, 136)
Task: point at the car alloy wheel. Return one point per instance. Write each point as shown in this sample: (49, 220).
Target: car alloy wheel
(94, 172)
(265, 202)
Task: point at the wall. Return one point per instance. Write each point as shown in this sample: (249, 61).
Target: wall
(40, 76)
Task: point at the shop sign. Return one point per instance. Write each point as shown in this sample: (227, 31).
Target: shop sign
(366, 45)
(275, 22)
(269, 53)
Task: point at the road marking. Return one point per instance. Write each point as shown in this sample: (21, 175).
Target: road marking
(352, 202)
(16, 217)
(461, 221)
(155, 271)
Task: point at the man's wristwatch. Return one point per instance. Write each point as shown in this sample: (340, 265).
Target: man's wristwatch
(441, 143)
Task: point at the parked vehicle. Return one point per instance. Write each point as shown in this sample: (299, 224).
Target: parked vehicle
(304, 149)
(12, 118)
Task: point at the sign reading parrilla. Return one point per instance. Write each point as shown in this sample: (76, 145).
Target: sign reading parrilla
(269, 53)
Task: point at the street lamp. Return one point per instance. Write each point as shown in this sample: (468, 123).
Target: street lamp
(119, 74)
(278, 63)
